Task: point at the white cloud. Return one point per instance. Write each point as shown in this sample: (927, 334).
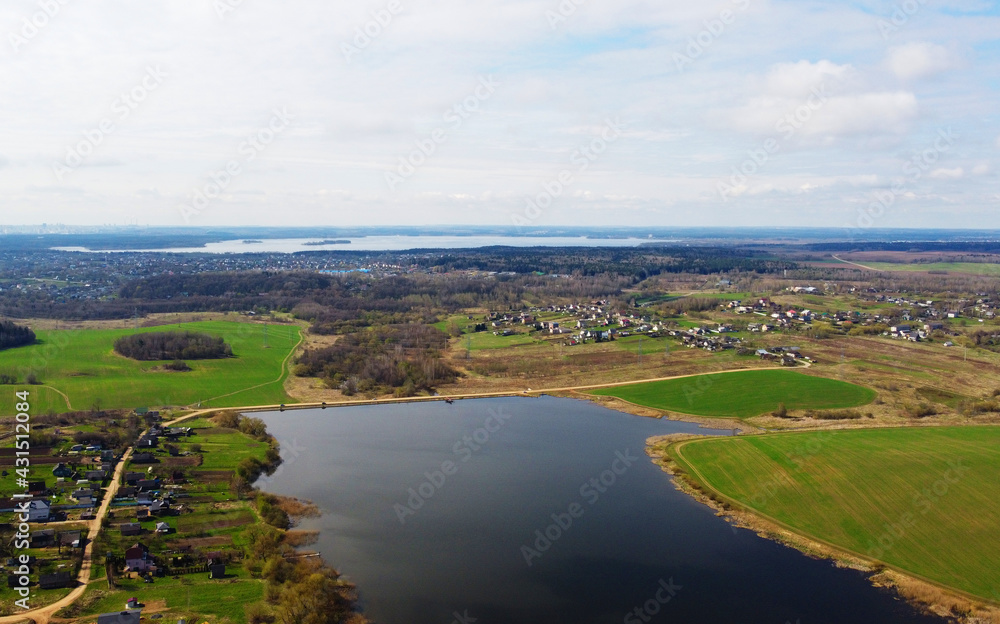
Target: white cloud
(956, 173)
(866, 113)
(919, 60)
(355, 120)
(981, 169)
(828, 118)
(820, 103)
(796, 80)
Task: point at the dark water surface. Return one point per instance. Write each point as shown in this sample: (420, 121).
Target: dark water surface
(461, 550)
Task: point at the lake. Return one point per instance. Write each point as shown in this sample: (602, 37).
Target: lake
(387, 243)
(535, 510)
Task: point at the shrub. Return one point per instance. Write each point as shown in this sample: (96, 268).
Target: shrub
(227, 420)
(253, 427)
(271, 512)
(921, 410)
(846, 414)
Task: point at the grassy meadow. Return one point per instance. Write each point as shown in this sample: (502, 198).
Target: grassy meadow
(742, 394)
(971, 268)
(924, 500)
(78, 368)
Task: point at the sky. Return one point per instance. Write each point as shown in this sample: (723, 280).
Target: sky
(863, 114)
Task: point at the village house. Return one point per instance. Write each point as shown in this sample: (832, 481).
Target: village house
(130, 529)
(217, 571)
(42, 539)
(132, 616)
(83, 493)
(159, 507)
(72, 539)
(131, 478)
(39, 511)
(146, 485)
(138, 559)
(57, 580)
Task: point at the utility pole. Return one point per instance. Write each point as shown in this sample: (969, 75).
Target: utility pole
(468, 347)
(265, 336)
(640, 350)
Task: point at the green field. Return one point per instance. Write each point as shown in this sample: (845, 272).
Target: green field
(972, 268)
(223, 449)
(924, 500)
(650, 346)
(742, 394)
(486, 340)
(82, 365)
(195, 596)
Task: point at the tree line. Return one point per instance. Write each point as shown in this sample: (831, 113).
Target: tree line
(12, 335)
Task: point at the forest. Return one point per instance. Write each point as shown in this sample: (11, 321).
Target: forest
(12, 335)
(403, 358)
(172, 346)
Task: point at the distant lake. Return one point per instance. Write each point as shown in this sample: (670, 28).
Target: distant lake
(436, 510)
(386, 243)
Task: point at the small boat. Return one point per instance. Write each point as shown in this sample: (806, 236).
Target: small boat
(449, 401)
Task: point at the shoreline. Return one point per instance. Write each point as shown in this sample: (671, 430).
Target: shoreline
(924, 595)
(626, 407)
(295, 510)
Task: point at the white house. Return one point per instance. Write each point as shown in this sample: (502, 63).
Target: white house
(38, 511)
